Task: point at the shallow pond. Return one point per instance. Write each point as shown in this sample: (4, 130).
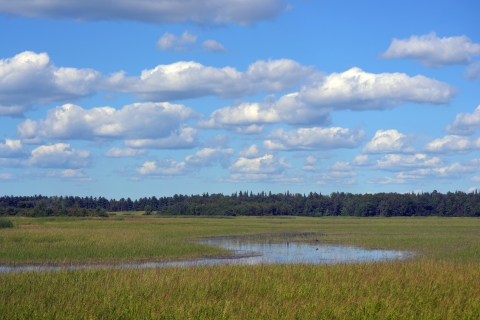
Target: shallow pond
(251, 253)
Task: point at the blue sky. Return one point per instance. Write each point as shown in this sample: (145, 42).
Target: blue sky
(140, 98)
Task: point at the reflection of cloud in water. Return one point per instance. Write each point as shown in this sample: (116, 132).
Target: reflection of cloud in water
(250, 254)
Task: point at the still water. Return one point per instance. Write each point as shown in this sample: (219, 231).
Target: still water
(247, 253)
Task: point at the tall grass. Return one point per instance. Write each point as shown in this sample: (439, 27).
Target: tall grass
(441, 282)
(5, 223)
(422, 289)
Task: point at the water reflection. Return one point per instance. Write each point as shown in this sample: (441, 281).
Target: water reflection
(245, 253)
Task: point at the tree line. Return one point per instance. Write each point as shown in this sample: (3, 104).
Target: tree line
(451, 204)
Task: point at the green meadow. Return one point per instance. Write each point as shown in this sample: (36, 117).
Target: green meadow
(442, 280)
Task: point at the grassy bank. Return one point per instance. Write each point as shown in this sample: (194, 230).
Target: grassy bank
(441, 282)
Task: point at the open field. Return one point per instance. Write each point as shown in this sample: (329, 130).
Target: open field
(442, 281)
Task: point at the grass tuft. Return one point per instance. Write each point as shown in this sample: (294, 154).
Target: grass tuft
(5, 223)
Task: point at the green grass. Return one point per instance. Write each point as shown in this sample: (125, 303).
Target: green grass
(72, 240)
(5, 223)
(441, 282)
(409, 290)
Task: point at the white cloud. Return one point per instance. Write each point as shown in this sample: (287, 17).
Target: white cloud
(30, 78)
(250, 152)
(267, 164)
(202, 158)
(282, 178)
(473, 71)
(8, 176)
(433, 51)
(12, 149)
(309, 164)
(58, 155)
(314, 139)
(475, 179)
(266, 168)
(213, 46)
(122, 153)
(69, 174)
(361, 160)
(388, 141)
(183, 138)
(453, 171)
(340, 166)
(398, 162)
(353, 89)
(453, 144)
(465, 123)
(171, 42)
(242, 12)
(135, 121)
(189, 79)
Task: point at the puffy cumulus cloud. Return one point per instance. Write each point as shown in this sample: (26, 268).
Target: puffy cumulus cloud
(135, 121)
(30, 78)
(314, 139)
(465, 123)
(250, 152)
(473, 71)
(399, 162)
(171, 42)
(58, 155)
(453, 144)
(242, 12)
(432, 51)
(353, 89)
(213, 46)
(124, 153)
(267, 168)
(249, 117)
(340, 166)
(202, 158)
(267, 164)
(309, 164)
(188, 79)
(389, 141)
(356, 89)
(12, 149)
(361, 160)
(182, 138)
(348, 167)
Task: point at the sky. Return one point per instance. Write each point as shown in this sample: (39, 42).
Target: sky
(149, 98)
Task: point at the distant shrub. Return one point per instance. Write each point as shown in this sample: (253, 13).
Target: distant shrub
(5, 223)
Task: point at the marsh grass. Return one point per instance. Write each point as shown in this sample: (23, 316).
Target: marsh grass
(5, 223)
(420, 289)
(140, 238)
(441, 282)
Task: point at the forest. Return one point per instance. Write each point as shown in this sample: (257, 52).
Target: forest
(452, 204)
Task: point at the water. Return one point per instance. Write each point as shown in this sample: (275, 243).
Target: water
(245, 253)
